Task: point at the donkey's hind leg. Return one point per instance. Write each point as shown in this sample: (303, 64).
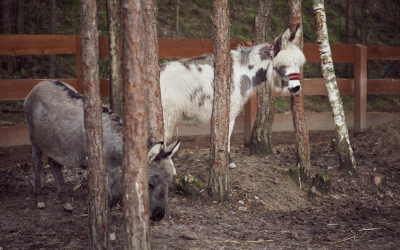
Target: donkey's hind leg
(56, 171)
(37, 175)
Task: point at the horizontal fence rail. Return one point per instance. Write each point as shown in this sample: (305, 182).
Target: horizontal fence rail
(18, 89)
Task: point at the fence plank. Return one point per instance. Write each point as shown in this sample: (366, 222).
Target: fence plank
(376, 52)
(383, 86)
(18, 89)
(16, 45)
(170, 48)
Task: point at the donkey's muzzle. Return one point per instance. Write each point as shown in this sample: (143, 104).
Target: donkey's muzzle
(294, 90)
(158, 214)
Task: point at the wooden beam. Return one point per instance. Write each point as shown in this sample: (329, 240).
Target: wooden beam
(360, 88)
(170, 48)
(341, 53)
(18, 89)
(376, 52)
(383, 86)
(16, 45)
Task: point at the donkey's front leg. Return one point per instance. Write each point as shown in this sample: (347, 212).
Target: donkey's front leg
(231, 163)
(56, 171)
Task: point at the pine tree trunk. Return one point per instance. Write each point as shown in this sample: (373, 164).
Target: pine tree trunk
(155, 116)
(115, 61)
(7, 29)
(347, 161)
(135, 179)
(98, 233)
(260, 143)
(53, 30)
(218, 182)
(299, 117)
(20, 17)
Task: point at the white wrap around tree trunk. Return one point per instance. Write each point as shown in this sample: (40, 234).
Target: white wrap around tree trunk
(347, 161)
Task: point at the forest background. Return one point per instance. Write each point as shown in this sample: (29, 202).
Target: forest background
(373, 22)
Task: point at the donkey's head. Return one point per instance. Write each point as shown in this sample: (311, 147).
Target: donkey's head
(287, 59)
(160, 175)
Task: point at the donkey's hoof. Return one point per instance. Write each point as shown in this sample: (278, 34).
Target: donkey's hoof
(112, 236)
(232, 165)
(41, 205)
(67, 206)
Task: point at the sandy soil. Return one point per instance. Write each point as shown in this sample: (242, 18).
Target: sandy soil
(266, 209)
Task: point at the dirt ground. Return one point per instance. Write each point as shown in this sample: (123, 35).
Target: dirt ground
(266, 209)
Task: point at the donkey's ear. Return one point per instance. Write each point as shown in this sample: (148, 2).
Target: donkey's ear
(295, 37)
(172, 149)
(282, 40)
(154, 150)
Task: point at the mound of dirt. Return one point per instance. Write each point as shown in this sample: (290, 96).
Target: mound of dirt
(382, 141)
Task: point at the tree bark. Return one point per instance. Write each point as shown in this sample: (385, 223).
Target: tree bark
(135, 188)
(220, 116)
(98, 233)
(115, 60)
(350, 33)
(347, 161)
(7, 29)
(155, 116)
(20, 17)
(260, 143)
(299, 118)
(53, 30)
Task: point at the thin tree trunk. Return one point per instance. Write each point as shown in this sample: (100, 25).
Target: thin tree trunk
(20, 17)
(220, 116)
(350, 34)
(53, 30)
(177, 19)
(347, 161)
(260, 143)
(115, 61)
(7, 29)
(155, 116)
(135, 188)
(98, 233)
(299, 118)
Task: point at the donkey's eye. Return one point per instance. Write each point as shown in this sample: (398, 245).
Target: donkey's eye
(282, 69)
(151, 186)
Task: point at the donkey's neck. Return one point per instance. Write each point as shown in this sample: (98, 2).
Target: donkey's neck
(250, 67)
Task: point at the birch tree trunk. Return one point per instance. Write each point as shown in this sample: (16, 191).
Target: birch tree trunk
(347, 161)
(299, 117)
(98, 233)
(218, 182)
(135, 179)
(115, 60)
(155, 115)
(260, 143)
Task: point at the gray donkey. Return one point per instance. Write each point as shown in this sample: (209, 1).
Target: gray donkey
(54, 113)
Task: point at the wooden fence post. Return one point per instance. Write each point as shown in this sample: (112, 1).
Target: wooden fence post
(360, 88)
(250, 113)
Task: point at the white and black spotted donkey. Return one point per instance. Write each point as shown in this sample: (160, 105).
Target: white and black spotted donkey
(187, 85)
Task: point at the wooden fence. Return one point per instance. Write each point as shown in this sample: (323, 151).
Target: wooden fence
(360, 86)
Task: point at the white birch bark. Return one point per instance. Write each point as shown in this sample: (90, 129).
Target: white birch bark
(347, 161)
